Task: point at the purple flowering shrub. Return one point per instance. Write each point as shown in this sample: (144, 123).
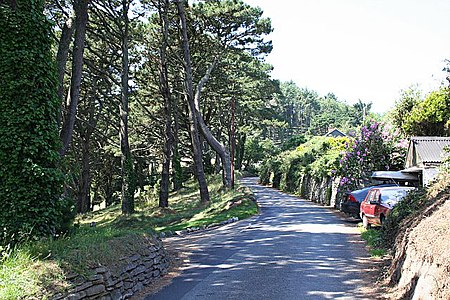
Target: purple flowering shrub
(378, 148)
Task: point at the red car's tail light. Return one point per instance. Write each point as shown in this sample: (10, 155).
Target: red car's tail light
(351, 198)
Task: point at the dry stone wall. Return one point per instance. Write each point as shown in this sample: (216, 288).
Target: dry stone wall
(323, 190)
(128, 277)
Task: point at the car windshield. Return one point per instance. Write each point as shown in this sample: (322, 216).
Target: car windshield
(393, 196)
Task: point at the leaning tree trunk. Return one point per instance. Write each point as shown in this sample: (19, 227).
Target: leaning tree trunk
(81, 19)
(165, 92)
(126, 159)
(218, 147)
(193, 121)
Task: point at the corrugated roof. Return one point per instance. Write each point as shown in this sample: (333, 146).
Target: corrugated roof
(430, 149)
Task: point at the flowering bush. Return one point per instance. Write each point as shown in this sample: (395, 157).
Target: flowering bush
(378, 148)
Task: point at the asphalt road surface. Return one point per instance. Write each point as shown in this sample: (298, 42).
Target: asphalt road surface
(294, 249)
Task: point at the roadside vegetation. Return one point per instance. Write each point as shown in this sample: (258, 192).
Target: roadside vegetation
(373, 238)
(39, 269)
(317, 157)
(416, 237)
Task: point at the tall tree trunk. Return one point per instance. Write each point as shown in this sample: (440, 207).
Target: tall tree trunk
(218, 164)
(176, 158)
(109, 183)
(165, 92)
(126, 159)
(233, 139)
(62, 56)
(84, 195)
(240, 151)
(81, 19)
(94, 198)
(193, 122)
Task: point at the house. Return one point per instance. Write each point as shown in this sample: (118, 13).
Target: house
(425, 155)
(335, 133)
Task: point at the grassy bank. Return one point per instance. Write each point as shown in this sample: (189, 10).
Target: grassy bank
(38, 269)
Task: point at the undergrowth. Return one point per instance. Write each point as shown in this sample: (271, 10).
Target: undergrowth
(412, 203)
(373, 239)
(413, 206)
(39, 269)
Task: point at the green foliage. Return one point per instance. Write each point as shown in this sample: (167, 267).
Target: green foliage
(413, 202)
(270, 170)
(236, 24)
(431, 116)
(304, 111)
(30, 181)
(360, 112)
(403, 107)
(446, 162)
(318, 157)
(179, 178)
(417, 204)
(373, 238)
(377, 148)
(256, 150)
(293, 142)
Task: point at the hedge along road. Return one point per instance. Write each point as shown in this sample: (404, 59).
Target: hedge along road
(293, 249)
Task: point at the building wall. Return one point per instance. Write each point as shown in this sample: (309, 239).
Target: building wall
(428, 175)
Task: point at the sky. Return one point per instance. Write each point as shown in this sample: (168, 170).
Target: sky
(359, 49)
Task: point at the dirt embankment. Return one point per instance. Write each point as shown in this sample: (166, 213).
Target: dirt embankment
(421, 265)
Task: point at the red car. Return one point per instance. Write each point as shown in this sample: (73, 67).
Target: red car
(379, 202)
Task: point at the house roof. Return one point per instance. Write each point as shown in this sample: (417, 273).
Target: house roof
(335, 133)
(426, 150)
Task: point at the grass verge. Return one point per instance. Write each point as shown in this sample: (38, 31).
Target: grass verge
(373, 239)
(39, 269)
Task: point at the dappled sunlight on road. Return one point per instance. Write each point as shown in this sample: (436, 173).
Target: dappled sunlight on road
(293, 250)
(311, 228)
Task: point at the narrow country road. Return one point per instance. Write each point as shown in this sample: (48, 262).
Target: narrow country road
(294, 249)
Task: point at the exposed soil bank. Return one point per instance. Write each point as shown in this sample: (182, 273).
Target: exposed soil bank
(421, 265)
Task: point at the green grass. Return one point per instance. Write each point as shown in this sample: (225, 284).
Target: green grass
(22, 275)
(40, 268)
(373, 239)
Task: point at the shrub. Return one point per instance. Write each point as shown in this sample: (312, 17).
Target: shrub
(413, 202)
(432, 116)
(316, 158)
(377, 148)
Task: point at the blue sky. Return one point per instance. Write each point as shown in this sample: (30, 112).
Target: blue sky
(359, 49)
